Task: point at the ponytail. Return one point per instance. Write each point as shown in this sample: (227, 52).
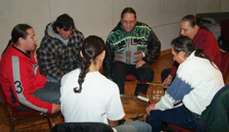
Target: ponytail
(8, 45)
(84, 70)
(91, 48)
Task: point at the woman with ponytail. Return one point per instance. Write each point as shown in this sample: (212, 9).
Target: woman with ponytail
(88, 96)
(86, 93)
(196, 82)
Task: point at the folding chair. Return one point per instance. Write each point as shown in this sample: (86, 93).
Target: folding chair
(16, 117)
(216, 115)
(82, 127)
(176, 128)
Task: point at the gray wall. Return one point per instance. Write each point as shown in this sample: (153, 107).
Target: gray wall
(100, 16)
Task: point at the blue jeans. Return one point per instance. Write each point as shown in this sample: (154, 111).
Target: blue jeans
(180, 116)
(50, 93)
(134, 126)
(52, 79)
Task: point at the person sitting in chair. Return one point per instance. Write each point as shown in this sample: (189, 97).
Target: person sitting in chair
(88, 96)
(197, 81)
(59, 49)
(21, 81)
(202, 39)
(131, 47)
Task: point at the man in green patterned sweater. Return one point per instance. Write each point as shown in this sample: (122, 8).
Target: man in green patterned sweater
(131, 47)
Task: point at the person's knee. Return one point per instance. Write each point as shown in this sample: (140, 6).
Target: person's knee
(146, 75)
(134, 126)
(142, 126)
(155, 116)
(118, 67)
(118, 72)
(125, 128)
(165, 73)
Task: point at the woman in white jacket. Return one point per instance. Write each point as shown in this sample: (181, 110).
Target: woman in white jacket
(197, 81)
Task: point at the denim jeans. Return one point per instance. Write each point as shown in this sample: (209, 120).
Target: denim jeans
(134, 126)
(52, 79)
(180, 116)
(50, 93)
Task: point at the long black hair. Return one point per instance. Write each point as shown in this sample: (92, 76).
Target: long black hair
(19, 31)
(183, 43)
(91, 48)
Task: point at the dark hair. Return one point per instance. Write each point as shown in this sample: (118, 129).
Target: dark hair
(191, 19)
(63, 21)
(183, 43)
(19, 31)
(91, 48)
(128, 10)
(7, 46)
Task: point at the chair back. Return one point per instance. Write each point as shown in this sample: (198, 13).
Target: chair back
(216, 115)
(82, 127)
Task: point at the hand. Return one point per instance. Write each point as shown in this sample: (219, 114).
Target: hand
(55, 108)
(167, 81)
(140, 63)
(150, 108)
(113, 123)
(138, 56)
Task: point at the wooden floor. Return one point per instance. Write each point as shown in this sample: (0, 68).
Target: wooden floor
(164, 61)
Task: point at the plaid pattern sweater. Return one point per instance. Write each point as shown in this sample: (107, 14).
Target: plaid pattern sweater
(57, 56)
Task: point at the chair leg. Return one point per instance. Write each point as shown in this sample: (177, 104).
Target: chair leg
(49, 121)
(12, 129)
(12, 125)
(11, 120)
